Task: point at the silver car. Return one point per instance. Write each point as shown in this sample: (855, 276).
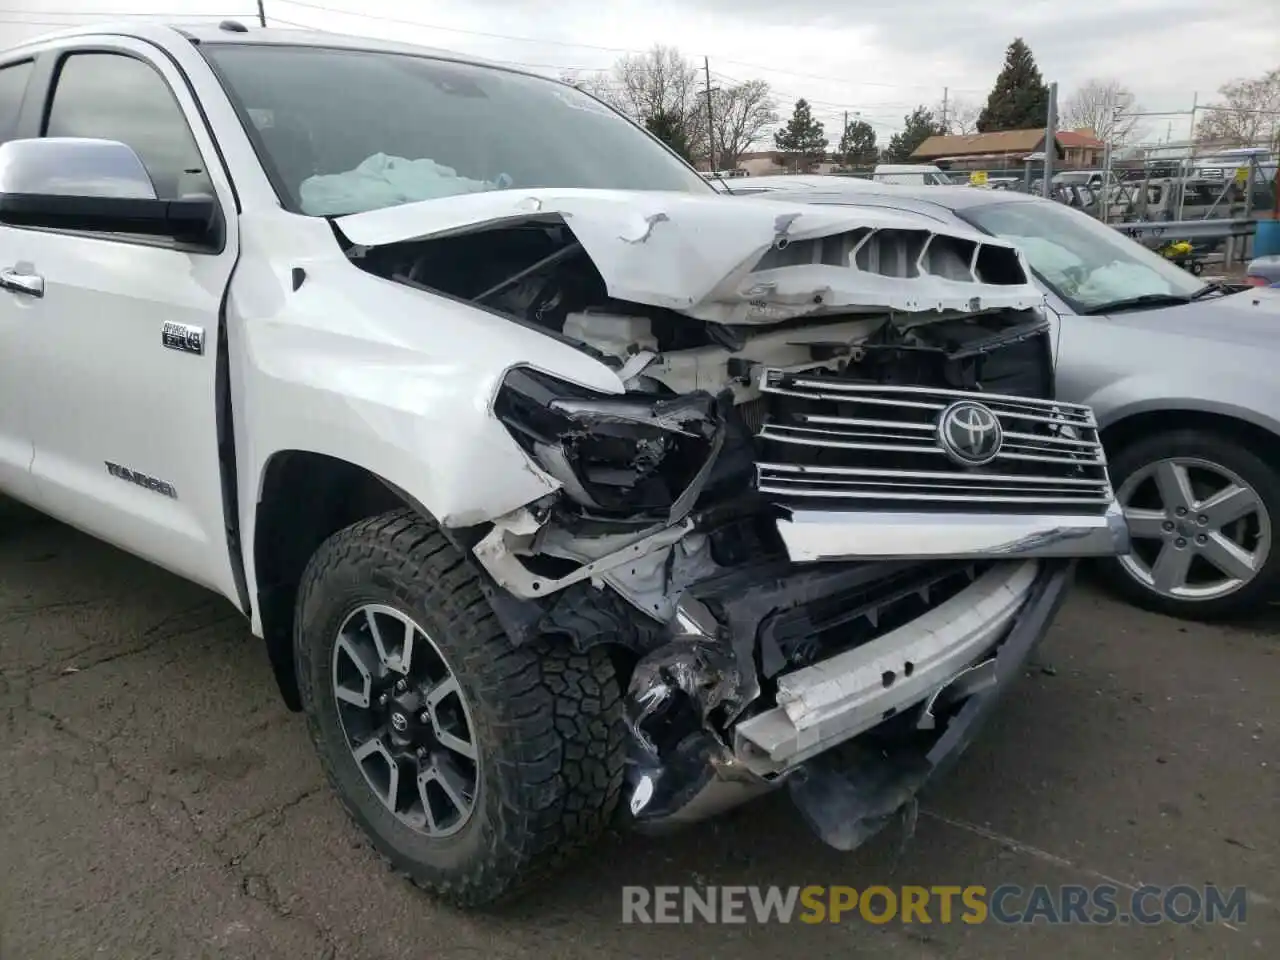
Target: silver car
(1184, 377)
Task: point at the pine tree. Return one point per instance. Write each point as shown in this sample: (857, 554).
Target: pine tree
(858, 145)
(802, 136)
(917, 127)
(1020, 98)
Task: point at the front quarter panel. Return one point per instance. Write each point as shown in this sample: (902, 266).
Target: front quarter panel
(392, 379)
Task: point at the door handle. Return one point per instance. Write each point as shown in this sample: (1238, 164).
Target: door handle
(32, 284)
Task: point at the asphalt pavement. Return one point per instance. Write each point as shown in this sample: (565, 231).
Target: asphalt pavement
(157, 799)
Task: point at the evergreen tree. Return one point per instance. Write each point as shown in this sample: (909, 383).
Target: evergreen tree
(802, 136)
(1020, 98)
(858, 145)
(917, 127)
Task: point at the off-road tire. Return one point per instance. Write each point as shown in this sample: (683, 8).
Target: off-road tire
(1219, 449)
(548, 721)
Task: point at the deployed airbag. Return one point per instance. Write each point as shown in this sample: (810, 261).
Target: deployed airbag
(383, 181)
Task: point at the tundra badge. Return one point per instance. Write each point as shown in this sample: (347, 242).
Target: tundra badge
(141, 479)
(183, 337)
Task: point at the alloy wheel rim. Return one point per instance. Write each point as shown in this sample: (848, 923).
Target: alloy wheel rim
(1199, 531)
(405, 720)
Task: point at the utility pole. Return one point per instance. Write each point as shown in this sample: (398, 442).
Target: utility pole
(262, 14)
(1113, 111)
(946, 91)
(1184, 168)
(1050, 137)
(711, 127)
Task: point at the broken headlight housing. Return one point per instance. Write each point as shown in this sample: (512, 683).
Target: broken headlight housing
(635, 454)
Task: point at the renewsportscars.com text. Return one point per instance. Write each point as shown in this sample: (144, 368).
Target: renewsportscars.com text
(1005, 904)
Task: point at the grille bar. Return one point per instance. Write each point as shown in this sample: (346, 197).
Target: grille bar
(935, 396)
(929, 476)
(925, 445)
(835, 439)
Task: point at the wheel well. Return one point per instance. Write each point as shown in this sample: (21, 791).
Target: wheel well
(1260, 441)
(306, 498)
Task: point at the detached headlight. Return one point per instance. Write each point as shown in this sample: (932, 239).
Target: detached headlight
(628, 454)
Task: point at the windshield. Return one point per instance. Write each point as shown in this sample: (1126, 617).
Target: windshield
(345, 131)
(1086, 263)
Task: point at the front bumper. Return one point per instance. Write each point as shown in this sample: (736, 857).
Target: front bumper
(963, 654)
(825, 704)
(847, 803)
(811, 535)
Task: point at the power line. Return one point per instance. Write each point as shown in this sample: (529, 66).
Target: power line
(590, 46)
(843, 80)
(100, 14)
(38, 23)
(475, 33)
(289, 23)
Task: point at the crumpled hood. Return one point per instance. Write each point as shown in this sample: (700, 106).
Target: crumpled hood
(1250, 318)
(701, 254)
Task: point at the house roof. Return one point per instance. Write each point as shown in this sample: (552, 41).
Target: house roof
(1083, 137)
(959, 145)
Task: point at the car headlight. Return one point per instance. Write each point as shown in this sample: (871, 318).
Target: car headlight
(638, 455)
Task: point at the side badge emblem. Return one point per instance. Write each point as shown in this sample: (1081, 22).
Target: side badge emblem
(182, 337)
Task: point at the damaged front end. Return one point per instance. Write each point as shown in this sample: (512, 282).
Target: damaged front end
(827, 513)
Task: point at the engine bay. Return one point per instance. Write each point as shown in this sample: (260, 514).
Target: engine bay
(686, 437)
(540, 276)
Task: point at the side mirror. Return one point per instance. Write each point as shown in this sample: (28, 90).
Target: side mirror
(73, 183)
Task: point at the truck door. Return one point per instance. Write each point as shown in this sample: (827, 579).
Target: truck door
(15, 434)
(121, 350)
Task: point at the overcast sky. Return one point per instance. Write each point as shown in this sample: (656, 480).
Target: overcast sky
(877, 58)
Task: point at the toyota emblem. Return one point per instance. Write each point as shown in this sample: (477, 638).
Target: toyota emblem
(400, 722)
(969, 433)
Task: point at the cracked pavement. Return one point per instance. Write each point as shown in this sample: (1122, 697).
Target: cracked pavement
(157, 800)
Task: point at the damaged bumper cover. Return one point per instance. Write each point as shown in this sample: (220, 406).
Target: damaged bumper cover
(933, 681)
(824, 704)
(811, 535)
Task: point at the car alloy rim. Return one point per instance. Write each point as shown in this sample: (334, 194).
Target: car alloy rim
(406, 720)
(1199, 531)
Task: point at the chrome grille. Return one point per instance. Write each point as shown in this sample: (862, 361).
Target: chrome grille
(872, 444)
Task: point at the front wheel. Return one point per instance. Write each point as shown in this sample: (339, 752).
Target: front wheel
(472, 765)
(1200, 509)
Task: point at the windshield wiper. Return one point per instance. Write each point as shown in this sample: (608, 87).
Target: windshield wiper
(1213, 286)
(1143, 300)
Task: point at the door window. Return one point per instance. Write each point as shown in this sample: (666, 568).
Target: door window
(110, 96)
(13, 85)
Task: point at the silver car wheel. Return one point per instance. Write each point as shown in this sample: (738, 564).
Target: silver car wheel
(406, 720)
(1199, 531)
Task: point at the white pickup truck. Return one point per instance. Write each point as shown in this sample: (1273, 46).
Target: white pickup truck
(558, 486)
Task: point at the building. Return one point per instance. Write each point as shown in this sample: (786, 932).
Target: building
(1081, 148)
(979, 151)
(759, 163)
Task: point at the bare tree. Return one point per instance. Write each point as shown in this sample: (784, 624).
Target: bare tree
(1104, 106)
(659, 90)
(1249, 113)
(739, 118)
(961, 115)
